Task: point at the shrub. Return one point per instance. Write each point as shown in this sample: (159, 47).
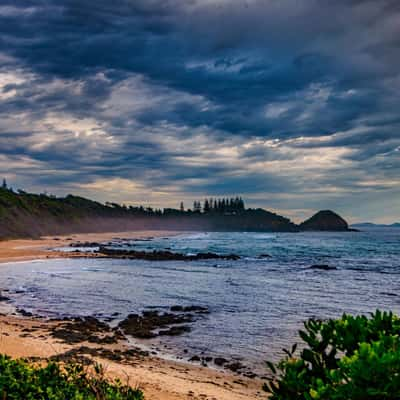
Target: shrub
(355, 358)
(22, 380)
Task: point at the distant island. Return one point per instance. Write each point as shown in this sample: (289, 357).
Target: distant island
(25, 214)
(361, 225)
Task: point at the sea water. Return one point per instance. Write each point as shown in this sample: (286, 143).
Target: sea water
(257, 304)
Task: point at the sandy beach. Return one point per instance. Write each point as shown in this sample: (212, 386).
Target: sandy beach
(160, 379)
(33, 249)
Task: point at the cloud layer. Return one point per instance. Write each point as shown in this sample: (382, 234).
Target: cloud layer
(292, 103)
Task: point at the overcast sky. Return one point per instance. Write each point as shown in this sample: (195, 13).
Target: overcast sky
(292, 104)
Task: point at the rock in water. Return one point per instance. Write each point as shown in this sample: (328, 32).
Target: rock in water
(325, 220)
(323, 267)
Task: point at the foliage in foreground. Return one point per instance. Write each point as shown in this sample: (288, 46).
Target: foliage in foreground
(352, 358)
(21, 380)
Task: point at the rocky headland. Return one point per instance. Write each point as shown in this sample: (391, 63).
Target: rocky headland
(325, 220)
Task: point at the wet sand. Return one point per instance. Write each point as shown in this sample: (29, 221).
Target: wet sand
(160, 379)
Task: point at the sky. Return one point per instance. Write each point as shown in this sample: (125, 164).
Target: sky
(292, 104)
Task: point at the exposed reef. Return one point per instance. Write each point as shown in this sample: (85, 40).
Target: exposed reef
(161, 255)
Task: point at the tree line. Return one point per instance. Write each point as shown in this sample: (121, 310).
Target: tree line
(232, 205)
(222, 205)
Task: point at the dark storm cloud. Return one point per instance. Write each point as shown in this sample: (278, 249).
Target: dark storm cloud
(103, 84)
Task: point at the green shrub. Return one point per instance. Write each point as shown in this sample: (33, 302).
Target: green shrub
(351, 358)
(22, 380)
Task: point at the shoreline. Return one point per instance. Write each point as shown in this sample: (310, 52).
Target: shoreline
(160, 379)
(44, 247)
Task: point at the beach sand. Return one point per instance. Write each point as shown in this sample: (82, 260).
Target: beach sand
(160, 379)
(30, 249)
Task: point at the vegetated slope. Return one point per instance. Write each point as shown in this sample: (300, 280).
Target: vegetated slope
(32, 215)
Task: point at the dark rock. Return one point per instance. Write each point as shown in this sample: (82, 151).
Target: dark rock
(85, 244)
(24, 313)
(325, 220)
(250, 375)
(144, 326)
(234, 366)
(220, 361)
(264, 256)
(80, 354)
(174, 331)
(162, 255)
(195, 358)
(195, 309)
(323, 267)
(176, 308)
(87, 329)
(4, 298)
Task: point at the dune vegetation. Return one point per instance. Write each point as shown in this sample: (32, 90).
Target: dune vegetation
(355, 358)
(20, 379)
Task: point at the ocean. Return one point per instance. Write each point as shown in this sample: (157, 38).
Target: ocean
(257, 304)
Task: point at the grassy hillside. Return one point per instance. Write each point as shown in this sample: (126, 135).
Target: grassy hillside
(31, 215)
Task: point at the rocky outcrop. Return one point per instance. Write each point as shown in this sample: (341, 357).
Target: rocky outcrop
(323, 267)
(162, 255)
(149, 324)
(325, 220)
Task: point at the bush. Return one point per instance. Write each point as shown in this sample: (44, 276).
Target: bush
(355, 358)
(21, 380)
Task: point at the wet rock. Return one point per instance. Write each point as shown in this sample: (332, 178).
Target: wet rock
(162, 255)
(195, 359)
(174, 331)
(250, 375)
(87, 329)
(195, 309)
(234, 366)
(24, 313)
(220, 361)
(264, 256)
(323, 267)
(144, 326)
(85, 244)
(80, 354)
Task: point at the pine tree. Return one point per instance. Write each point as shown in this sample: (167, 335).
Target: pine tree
(197, 206)
(212, 204)
(206, 206)
(182, 207)
(4, 186)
